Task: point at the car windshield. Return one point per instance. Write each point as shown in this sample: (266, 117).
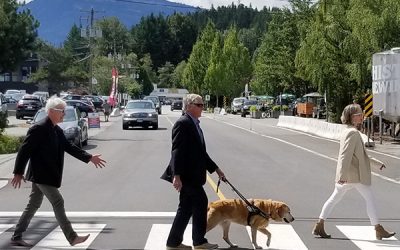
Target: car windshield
(251, 102)
(41, 114)
(237, 101)
(140, 105)
(154, 99)
(69, 115)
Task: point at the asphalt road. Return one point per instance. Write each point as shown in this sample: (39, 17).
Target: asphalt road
(127, 206)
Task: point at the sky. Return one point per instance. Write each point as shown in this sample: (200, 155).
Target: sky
(259, 4)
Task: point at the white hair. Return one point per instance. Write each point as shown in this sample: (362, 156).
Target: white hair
(54, 102)
(190, 99)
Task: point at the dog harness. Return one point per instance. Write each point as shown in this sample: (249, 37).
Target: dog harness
(253, 209)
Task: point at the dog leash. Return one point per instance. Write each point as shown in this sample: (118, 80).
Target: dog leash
(253, 209)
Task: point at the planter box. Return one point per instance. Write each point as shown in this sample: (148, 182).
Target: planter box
(277, 113)
(255, 114)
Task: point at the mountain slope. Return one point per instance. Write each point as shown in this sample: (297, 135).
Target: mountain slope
(56, 17)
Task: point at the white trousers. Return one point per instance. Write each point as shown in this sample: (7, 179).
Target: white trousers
(338, 194)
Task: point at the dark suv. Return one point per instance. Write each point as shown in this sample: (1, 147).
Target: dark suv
(28, 106)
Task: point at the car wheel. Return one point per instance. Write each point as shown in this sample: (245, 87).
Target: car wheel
(80, 141)
(125, 127)
(85, 142)
(155, 126)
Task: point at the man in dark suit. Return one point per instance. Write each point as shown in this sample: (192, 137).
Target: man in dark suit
(187, 172)
(44, 148)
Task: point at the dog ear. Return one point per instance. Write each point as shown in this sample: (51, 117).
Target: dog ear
(281, 210)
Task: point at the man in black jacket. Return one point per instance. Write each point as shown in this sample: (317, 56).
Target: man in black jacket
(44, 148)
(187, 172)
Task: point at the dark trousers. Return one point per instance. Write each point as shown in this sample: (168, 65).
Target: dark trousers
(193, 203)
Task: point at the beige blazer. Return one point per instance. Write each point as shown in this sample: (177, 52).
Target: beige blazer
(353, 165)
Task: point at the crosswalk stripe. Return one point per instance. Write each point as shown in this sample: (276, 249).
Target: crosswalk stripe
(5, 227)
(56, 239)
(282, 237)
(158, 235)
(364, 238)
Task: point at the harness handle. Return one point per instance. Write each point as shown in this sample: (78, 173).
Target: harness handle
(253, 209)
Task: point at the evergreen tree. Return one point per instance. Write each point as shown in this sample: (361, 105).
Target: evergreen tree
(18, 32)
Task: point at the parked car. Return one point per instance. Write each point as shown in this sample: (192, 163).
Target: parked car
(246, 107)
(44, 94)
(96, 100)
(140, 113)
(14, 91)
(156, 102)
(177, 105)
(74, 126)
(83, 107)
(3, 104)
(28, 106)
(72, 97)
(237, 104)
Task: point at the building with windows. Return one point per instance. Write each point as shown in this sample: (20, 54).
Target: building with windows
(169, 94)
(18, 79)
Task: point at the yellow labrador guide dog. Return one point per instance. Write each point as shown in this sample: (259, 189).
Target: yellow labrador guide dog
(223, 212)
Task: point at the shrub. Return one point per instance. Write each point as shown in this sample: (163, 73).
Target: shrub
(10, 144)
(253, 108)
(278, 108)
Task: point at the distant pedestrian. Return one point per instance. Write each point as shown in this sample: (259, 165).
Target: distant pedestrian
(353, 171)
(107, 110)
(44, 148)
(187, 172)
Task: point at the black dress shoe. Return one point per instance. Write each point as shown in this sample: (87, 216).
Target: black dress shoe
(20, 243)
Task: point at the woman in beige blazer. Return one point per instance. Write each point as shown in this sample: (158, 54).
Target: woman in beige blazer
(353, 171)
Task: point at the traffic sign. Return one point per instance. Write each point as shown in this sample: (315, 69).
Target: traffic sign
(368, 105)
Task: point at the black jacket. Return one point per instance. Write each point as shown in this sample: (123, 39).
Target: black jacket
(189, 157)
(44, 147)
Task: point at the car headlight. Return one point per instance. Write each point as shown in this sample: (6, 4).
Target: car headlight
(152, 114)
(127, 115)
(70, 130)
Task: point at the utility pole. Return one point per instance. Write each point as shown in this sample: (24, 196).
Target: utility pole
(90, 33)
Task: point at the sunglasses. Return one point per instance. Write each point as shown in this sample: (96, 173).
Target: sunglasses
(200, 105)
(59, 110)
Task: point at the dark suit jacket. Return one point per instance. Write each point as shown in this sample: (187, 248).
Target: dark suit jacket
(189, 157)
(44, 147)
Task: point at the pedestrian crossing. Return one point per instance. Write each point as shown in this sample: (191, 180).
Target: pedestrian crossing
(284, 237)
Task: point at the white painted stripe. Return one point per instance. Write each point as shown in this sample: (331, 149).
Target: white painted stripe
(158, 235)
(57, 240)
(5, 227)
(309, 150)
(282, 237)
(3, 184)
(98, 214)
(364, 238)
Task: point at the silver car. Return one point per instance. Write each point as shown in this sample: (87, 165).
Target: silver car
(237, 104)
(75, 128)
(140, 113)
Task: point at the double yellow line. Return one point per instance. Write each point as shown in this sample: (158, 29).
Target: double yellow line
(214, 187)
